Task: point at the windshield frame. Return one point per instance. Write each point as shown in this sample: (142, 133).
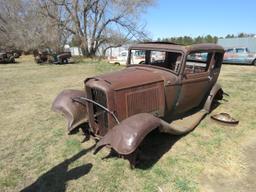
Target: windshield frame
(128, 63)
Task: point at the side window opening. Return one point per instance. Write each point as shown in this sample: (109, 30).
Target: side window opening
(229, 51)
(197, 62)
(123, 54)
(138, 56)
(240, 50)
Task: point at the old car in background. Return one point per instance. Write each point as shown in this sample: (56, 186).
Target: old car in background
(121, 59)
(48, 56)
(6, 57)
(239, 55)
(17, 53)
(171, 90)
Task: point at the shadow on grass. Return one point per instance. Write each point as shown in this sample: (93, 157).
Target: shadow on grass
(155, 145)
(152, 148)
(55, 179)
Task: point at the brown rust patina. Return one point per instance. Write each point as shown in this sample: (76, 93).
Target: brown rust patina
(172, 89)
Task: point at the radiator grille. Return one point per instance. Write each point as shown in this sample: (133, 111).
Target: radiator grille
(100, 115)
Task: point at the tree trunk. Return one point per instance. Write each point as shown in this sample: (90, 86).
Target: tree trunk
(84, 47)
(86, 53)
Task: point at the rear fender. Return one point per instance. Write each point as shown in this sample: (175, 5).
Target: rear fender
(74, 112)
(125, 137)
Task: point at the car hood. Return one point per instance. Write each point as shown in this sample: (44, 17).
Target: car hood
(131, 77)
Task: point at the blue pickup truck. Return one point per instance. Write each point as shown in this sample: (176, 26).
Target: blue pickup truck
(239, 55)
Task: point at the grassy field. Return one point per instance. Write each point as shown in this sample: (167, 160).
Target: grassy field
(36, 154)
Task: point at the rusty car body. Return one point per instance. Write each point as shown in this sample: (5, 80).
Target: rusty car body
(225, 118)
(48, 56)
(171, 92)
(6, 57)
(239, 55)
(16, 53)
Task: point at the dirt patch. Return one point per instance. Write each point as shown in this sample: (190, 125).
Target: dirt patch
(246, 183)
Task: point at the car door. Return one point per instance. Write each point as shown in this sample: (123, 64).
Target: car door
(229, 56)
(123, 57)
(195, 82)
(242, 55)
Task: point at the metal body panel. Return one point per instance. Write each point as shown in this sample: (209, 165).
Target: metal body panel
(215, 93)
(130, 77)
(75, 112)
(147, 98)
(225, 118)
(126, 137)
(193, 90)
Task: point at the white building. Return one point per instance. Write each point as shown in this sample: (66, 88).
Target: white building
(248, 42)
(75, 51)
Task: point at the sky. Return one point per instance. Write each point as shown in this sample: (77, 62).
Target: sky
(172, 18)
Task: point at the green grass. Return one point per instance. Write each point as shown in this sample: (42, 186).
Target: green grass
(37, 153)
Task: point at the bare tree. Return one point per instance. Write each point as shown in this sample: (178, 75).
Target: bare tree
(22, 26)
(98, 22)
(8, 20)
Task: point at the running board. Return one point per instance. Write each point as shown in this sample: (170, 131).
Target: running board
(183, 125)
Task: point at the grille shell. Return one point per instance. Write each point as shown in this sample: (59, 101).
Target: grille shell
(100, 115)
(99, 119)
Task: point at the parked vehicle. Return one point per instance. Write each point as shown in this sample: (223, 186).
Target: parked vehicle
(47, 56)
(239, 55)
(6, 57)
(121, 59)
(17, 53)
(172, 90)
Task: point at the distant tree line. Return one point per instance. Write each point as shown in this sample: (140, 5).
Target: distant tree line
(187, 40)
(240, 35)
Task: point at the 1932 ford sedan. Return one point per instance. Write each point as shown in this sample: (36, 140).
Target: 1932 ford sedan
(171, 90)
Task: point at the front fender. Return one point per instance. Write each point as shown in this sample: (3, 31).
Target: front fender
(125, 137)
(74, 112)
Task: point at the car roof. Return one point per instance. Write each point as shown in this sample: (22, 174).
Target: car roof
(173, 46)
